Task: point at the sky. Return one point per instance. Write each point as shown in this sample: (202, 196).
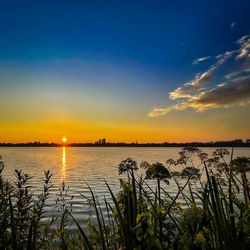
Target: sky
(146, 71)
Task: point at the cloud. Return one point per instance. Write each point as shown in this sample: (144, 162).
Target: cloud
(221, 84)
(232, 25)
(242, 60)
(234, 92)
(245, 48)
(197, 84)
(160, 111)
(222, 58)
(201, 59)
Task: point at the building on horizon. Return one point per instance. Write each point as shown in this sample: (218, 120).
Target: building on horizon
(101, 141)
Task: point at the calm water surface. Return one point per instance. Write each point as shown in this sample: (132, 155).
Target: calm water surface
(74, 165)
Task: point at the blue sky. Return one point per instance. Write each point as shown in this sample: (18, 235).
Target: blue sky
(114, 62)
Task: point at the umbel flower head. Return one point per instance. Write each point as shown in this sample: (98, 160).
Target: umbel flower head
(156, 171)
(127, 165)
(191, 172)
(241, 164)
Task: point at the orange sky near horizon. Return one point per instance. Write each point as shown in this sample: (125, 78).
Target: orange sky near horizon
(27, 122)
(179, 128)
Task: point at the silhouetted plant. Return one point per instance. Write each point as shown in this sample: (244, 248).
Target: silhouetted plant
(5, 190)
(63, 209)
(191, 223)
(191, 173)
(1, 165)
(188, 154)
(21, 213)
(159, 172)
(128, 166)
(221, 152)
(241, 165)
(40, 231)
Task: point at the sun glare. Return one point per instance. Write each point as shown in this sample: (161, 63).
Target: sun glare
(64, 139)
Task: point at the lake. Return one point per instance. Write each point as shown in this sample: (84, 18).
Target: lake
(75, 165)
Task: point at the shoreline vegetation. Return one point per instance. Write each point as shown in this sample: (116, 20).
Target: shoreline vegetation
(216, 214)
(217, 144)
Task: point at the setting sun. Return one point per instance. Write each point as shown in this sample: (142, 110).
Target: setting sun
(64, 139)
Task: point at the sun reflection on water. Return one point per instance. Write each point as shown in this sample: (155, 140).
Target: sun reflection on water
(63, 163)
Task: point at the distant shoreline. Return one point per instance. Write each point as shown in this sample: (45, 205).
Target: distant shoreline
(236, 143)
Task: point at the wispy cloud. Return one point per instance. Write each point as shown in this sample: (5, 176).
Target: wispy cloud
(232, 25)
(201, 59)
(201, 80)
(242, 60)
(196, 94)
(245, 48)
(197, 84)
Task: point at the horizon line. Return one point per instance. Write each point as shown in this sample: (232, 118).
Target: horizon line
(37, 143)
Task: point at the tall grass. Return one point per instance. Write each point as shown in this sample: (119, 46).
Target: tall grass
(216, 214)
